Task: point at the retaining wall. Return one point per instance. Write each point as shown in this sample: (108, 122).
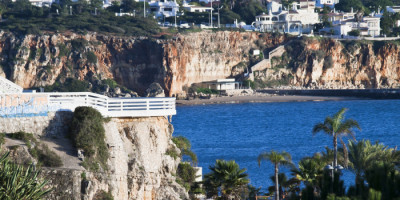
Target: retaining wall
(55, 123)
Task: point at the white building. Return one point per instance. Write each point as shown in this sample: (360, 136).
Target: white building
(222, 84)
(164, 8)
(40, 3)
(299, 19)
(194, 8)
(343, 23)
(329, 3)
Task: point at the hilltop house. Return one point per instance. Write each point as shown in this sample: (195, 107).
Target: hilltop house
(300, 18)
(164, 8)
(194, 8)
(329, 3)
(343, 23)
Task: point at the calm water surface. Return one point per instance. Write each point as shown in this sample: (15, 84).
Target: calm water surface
(241, 132)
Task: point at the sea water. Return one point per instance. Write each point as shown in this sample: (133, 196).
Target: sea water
(241, 132)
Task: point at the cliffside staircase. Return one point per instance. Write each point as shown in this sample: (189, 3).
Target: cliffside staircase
(266, 62)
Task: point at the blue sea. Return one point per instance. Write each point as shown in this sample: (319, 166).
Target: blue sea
(241, 132)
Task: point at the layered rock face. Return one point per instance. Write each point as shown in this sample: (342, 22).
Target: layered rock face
(207, 56)
(176, 64)
(330, 64)
(32, 61)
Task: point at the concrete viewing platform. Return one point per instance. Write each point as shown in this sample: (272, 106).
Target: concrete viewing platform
(15, 103)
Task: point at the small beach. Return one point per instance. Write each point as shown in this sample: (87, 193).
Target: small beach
(261, 98)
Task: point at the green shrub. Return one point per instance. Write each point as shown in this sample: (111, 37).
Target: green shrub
(207, 91)
(46, 157)
(70, 85)
(88, 134)
(63, 50)
(172, 152)
(187, 174)
(354, 33)
(79, 44)
(328, 62)
(28, 138)
(41, 152)
(2, 139)
(91, 57)
(247, 83)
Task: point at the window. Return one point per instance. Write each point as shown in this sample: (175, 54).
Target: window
(168, 9)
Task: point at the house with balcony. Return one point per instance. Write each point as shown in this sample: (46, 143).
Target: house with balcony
(300, 18)
(164, 8)
(343, 23)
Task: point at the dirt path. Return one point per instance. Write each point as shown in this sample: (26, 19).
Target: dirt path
(61, 146)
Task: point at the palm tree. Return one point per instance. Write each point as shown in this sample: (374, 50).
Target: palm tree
(311, 172)
(227, 177)
(276, 158)
(337, 127)
(361, 155)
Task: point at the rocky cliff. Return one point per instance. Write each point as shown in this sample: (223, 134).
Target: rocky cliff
(177, 63)
(331, 64)
(138, 166)
(32, 61)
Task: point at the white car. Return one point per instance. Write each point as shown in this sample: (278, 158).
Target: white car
(184, 25)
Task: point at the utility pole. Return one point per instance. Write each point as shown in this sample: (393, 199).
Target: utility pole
(70, 10)
(219, 25)
(211, 14)
(144, 8)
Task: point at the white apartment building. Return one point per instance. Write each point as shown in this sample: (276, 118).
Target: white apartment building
(343, 23)
(164, 8)
(299, 19)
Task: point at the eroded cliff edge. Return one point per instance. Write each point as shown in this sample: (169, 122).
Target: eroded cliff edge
(32, 61)
(138, 167)
(176, 64)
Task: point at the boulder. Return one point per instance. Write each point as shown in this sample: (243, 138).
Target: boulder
(155, 90)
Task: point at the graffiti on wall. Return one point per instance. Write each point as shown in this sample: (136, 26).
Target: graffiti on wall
(24, 105)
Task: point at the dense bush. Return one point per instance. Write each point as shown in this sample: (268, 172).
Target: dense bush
(70, 85)
(207, 91)
(91, 57)
(88, 134)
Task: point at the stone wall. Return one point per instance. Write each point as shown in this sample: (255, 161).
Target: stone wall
(55, 123)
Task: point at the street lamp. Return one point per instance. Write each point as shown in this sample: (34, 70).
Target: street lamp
(219, 25)
(332, 171)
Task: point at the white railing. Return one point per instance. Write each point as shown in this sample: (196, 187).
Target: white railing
(115, 107)
(108, 107)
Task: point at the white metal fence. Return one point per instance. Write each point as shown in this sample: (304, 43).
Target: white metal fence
(108, 107)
